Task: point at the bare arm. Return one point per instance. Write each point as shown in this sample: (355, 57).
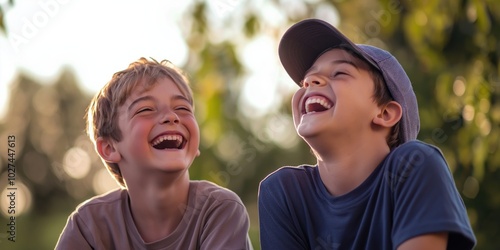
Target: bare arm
(427, 241)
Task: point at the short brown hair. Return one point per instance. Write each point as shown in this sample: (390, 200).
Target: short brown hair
(381, 96)
(102, 113)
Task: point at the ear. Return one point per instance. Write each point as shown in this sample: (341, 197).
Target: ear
(389, 114)
(107, 150)
(198, 153)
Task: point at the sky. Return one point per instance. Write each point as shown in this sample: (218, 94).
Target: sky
(94, 38)
(98, 38)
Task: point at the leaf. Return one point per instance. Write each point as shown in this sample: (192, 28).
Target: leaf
(2, 24)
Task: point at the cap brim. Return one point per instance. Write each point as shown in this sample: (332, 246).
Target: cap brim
(305, 41)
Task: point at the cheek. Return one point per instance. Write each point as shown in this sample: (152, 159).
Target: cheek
(193, 128)
(296, 103)
(296, 115)
(195, 137)
(138, 128)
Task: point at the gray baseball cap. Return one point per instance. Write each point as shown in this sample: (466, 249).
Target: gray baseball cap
(306, 40)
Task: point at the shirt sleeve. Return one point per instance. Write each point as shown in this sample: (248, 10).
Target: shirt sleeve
(426, 199)
(277, 230)
(227, 227)
(72, 235)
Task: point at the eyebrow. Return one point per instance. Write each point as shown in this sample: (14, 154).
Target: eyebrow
(345, 61)
(340, 61)
(151, 98)
(140, 99)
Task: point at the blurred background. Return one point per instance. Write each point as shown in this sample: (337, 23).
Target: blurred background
(55, 54)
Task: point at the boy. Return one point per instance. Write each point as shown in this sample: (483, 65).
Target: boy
(143, 126)
(374, 186)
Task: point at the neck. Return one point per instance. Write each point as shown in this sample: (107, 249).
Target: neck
(158, 206)
(343, 167)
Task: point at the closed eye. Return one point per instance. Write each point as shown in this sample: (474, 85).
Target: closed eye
(339, 73)
(184, 108)
(143, 110)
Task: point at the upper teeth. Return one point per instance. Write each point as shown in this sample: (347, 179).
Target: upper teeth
(166, 137)
(321, 101)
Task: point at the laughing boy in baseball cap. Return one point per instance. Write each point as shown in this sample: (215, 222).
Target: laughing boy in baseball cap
(374, 186)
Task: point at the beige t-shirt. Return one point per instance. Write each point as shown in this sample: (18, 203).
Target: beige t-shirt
(215, 218)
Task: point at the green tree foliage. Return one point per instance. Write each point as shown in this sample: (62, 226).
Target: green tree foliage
(46, 120)
(2, 14)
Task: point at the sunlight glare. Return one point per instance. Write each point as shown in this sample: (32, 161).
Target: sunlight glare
(259, 90)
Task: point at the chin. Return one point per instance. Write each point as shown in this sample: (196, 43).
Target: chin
(173, 169)
(308, 130)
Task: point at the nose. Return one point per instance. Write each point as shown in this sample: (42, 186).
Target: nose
(170, 117)
(313, 80)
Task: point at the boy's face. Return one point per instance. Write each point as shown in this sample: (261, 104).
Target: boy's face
(159, 130)
(336, 99)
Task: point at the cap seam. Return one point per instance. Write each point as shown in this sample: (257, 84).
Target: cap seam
(385, 59)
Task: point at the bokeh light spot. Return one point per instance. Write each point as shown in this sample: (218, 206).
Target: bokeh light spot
(15, 202)
(471, 187)
(459, 86)
(421, 18)
(76, 163)
(468, 113)
(483, 124)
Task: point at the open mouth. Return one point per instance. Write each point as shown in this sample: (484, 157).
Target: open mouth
(317, 103)
(168, 141)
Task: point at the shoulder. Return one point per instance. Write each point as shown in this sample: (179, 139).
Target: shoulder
(416, 154)
(290, 184)
(416, 145)
(288, 174)
(102, 202)
(417, 148)
(424, 196)
(209, 200)
(209, 191)
(89, 214)
(416, 164)
(217, 215)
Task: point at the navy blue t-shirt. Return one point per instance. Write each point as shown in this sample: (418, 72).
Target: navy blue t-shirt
(410, 193)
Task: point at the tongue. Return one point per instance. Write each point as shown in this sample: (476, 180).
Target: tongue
(168, 144)
(314, 107)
